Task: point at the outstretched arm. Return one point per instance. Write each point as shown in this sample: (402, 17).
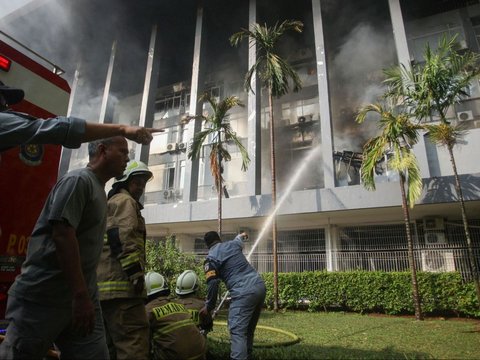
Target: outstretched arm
(140, 135)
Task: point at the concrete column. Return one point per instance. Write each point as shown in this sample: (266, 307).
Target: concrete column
(191, 167)
(142, 152)
(323, 96)
(399, 33)
(105, 116)
(254, 146)
(403, 57)
(67, 153)
(185, 243)
(332, 245)
(470, 36)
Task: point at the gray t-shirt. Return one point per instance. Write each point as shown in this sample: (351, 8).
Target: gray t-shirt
(78, 198)
(18, 129)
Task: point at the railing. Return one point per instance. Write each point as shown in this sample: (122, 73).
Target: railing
(370, 248)
(289, 262)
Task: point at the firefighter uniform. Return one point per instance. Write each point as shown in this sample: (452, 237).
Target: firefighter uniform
(193, 305)
(120, 277)
(173, 335)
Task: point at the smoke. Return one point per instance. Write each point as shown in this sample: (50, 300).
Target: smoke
(357, 81)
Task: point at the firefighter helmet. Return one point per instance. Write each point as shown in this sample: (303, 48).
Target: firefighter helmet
(187, 283)
(134, 167)
(155, 283)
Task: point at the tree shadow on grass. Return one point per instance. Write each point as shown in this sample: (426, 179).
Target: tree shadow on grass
(307, 352)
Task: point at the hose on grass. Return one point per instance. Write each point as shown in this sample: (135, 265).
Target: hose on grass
(292, 338)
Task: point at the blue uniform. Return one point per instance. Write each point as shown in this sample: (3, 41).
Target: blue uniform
(225, 261)
(18, 129)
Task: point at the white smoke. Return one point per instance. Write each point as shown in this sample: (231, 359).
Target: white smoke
(358, 68)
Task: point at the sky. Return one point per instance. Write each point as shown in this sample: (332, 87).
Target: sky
(11, 5)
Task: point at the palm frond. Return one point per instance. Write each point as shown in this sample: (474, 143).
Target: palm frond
(197, 143)
(274, 72)
(373, 152)
(445, 134)
(406, 164)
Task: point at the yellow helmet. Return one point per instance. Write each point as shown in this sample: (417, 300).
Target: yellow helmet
(134, 167)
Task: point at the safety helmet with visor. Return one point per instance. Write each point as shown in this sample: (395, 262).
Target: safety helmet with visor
(134, 168)
(187, 283)
(154, 282)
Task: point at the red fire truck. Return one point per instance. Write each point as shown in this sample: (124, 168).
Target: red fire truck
(27, 173)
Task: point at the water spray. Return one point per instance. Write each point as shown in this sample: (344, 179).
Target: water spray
(299, 171)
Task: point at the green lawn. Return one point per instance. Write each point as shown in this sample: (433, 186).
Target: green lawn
(347, 336)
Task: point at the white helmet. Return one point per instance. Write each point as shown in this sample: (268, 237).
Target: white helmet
(134, 167)
(154, 282)
(187, 283)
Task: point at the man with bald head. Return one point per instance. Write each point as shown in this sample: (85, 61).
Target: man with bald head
(55, 298)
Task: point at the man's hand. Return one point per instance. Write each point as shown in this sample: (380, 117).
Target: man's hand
(206, 320)
(244, 235)
(83, 314)
(140, 135)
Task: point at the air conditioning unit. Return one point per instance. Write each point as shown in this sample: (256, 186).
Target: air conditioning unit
(434, 238)
(304, 118)
(182, 146)
(171, 146)
(433, 223)
(438, 261)
(465, 115)
(169, 193)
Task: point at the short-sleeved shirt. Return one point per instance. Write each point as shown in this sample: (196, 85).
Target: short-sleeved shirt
(18, 129)
(79, 199)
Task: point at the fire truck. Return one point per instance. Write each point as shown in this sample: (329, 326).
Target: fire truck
(27, 172)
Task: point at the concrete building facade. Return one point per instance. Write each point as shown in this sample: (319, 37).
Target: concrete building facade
(326, 219)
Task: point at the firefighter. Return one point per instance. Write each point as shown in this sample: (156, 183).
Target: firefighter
(121, 269)
(225, 261)
(19, 129)
(186, 290)
(173, 334)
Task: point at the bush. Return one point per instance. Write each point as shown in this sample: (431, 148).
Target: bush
(164, 257)
(373, 291)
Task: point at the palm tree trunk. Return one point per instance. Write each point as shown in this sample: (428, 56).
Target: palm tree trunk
(218, 180)
(471, 256)
(411, 259)
(274, 202)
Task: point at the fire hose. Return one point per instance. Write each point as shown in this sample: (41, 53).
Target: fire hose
(291, 337)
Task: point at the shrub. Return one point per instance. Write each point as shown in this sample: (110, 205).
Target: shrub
(164, 257)
(374, 291)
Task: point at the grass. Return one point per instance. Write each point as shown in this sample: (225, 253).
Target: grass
(354, 336)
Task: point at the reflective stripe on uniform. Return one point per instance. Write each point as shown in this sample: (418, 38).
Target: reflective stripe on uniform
(133, 258)
(114, 286)
(195, 316)
(168, 309)
(172, 327)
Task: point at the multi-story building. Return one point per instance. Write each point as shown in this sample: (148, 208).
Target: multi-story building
(164, 56)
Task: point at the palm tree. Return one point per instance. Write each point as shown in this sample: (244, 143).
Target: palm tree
(275, 74)
(433, 88)
(398, 135)
(220, 133)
